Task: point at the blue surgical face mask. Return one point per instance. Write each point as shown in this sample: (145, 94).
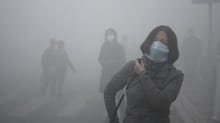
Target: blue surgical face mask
(158, 52)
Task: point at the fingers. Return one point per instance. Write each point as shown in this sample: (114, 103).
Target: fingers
(137, 63)
(142, 63)
(139, 67)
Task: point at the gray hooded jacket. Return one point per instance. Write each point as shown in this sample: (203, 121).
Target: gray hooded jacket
(149, 95)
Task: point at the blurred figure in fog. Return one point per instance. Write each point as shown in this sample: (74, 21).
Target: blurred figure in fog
(197, 87)
(55, 63)
(216, 107)
(111, 58)
(48, 66)
(192, 54)
(62, 63)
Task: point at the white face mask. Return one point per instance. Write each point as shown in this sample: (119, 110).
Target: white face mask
(110, 37)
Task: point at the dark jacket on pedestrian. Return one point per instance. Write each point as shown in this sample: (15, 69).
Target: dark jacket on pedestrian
(111, 59)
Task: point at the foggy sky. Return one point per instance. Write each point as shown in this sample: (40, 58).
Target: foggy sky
(27, 25)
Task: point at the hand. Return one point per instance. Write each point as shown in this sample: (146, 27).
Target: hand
(139, 67)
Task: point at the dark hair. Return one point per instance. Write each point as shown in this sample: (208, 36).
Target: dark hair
(171, 43)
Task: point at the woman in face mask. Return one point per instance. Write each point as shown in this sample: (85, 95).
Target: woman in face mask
(111, 57)
(152, 83)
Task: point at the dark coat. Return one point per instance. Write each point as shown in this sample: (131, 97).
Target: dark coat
(148, 97)
(111, 58)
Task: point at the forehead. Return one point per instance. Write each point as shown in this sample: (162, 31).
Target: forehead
(162, 33)
(162, 36)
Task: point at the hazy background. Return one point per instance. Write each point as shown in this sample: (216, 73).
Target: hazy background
(27, 25)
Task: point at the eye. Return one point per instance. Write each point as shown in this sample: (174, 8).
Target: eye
(164, 41)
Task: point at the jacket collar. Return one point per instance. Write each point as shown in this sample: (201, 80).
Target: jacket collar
(163, 71)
